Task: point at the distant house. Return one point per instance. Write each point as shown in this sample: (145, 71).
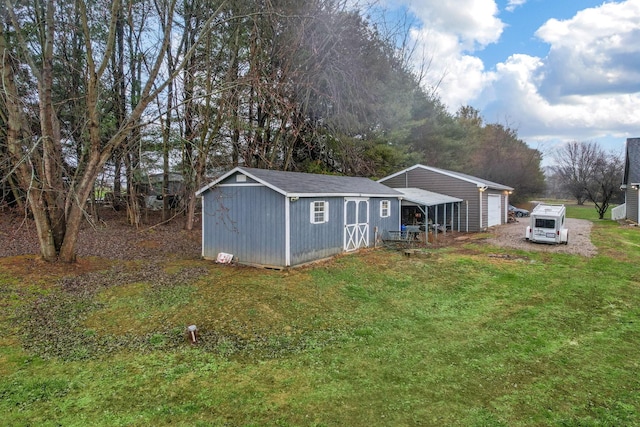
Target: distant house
(479, 203)
(630, 184)
(152, 184)
(282, 219)
(151, 188)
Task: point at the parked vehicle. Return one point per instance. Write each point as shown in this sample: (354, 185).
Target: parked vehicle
(547, 225)
(518, 212)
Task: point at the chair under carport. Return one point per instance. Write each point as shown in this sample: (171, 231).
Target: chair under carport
(430, 211)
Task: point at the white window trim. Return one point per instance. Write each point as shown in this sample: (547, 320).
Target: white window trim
(385, 205)
(325, 212)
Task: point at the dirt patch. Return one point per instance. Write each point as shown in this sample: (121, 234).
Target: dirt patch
(34, 268)
(110, 237)
(512, 236)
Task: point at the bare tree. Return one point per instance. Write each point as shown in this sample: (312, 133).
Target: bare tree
(604, 184)
(575, 163)
(589, 173)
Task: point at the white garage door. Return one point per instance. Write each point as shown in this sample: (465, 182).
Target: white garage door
(493, 210)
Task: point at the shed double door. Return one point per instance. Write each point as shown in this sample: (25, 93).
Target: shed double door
(356, 223)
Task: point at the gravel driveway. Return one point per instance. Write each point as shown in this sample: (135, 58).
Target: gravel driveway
(512, 236)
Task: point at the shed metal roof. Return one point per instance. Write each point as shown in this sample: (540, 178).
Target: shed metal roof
(480, 182)
(426, 198)
(300, 184)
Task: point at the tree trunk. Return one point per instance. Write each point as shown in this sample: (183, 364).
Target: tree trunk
(16, 193)
(133, 206)
(166, 141)
(189, 137)
(16, 133)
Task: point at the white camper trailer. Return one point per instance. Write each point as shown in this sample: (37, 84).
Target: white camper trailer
(547, 225)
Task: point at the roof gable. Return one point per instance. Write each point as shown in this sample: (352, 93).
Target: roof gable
(480, 182)
(308, 184)
(632, 162)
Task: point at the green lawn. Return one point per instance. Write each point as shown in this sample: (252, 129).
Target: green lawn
(454, 337)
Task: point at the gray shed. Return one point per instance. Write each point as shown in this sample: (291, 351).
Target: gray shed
(483, 203)
(282, 219)
(630, 183)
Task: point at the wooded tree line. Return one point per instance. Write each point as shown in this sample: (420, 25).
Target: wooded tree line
(313, 86)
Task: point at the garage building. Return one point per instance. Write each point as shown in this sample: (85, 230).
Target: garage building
(483, 203)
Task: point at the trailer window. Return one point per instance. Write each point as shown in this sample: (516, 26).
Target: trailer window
(545, 223)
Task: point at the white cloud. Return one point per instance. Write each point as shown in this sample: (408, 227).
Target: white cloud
(595, 52)
(515, 93)
(514, 98)
(586, 88)
(473, 22)
(456, 79)
(450, 33)
(513, 4)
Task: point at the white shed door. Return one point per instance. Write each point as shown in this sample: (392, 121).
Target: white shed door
(494, 210)
(356, 223)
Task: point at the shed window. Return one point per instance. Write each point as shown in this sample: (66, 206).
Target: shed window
(319, 212)
(385, 209)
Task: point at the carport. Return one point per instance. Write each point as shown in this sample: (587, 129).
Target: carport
(438, 211)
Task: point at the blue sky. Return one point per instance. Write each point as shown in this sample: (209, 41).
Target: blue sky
(556, 70)
(521, 23)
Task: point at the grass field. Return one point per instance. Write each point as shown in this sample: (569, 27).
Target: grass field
(455, 337)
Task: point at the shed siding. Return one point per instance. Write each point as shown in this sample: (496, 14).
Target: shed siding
(390, 223)
(309, 241)
(247, 221)
(439, 183)
(632, 204)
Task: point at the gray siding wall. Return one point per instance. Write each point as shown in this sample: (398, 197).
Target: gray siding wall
(438, 183)
(246, 221)
(309, 241)
(632, 204)
(390, 223)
